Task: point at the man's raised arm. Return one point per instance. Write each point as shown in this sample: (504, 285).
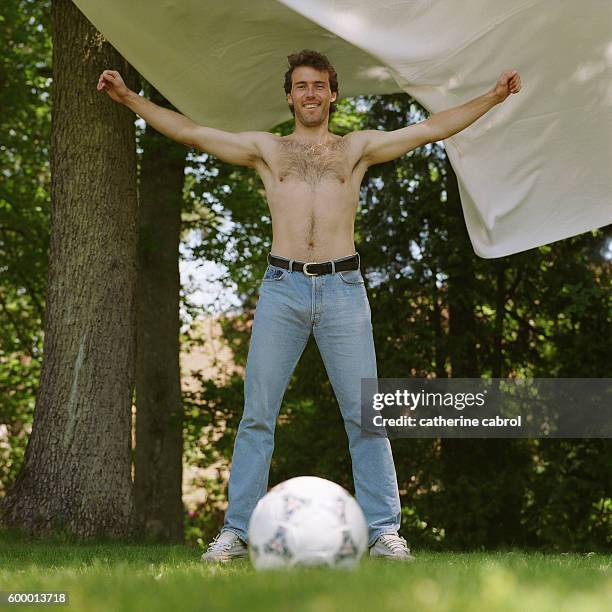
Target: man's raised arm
(236, 148)
(379, 146)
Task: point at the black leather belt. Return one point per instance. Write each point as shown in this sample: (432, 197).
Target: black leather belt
(311, 268)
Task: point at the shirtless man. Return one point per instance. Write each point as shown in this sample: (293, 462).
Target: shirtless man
(313, 283)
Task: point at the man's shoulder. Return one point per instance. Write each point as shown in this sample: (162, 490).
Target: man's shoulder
(265, 142)
(263, 137)
(357, 140)
(359, 135)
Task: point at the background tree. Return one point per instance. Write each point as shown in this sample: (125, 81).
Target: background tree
(77, 470)
(159, 421)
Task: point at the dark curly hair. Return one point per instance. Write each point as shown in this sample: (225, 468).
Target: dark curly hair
(313, 59)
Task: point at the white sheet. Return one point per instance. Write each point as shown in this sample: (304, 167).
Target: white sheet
(535, 169)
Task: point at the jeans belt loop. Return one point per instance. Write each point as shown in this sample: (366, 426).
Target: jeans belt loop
(291, 265)
(358, 261)
(333, 263)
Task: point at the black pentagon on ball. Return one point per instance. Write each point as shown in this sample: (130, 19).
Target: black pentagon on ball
(348, 548)
(277, 545)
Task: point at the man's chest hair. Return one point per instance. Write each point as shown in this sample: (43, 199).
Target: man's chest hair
(312, 163)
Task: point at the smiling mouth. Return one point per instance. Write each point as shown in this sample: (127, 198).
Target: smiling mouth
(311, 106)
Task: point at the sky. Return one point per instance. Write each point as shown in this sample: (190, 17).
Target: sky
(199, 281)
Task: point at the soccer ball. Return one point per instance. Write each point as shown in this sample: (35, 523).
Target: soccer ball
(307, 521)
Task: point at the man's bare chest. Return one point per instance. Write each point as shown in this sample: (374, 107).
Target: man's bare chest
(313, 164)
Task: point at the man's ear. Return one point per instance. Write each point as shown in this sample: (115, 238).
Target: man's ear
(335, 95)
(289, 100)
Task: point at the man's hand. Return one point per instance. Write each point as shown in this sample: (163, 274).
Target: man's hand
(111, 82)
(509, 82)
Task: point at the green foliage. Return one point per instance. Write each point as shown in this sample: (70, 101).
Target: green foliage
(24, 218)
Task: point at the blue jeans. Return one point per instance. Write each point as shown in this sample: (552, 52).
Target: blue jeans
(335, 308)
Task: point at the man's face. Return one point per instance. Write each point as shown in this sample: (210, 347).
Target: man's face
(310, 95)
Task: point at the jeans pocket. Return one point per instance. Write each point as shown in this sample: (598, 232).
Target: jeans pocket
(352, 277)
(274, 273)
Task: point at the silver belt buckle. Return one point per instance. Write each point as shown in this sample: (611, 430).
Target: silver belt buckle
(305, 271)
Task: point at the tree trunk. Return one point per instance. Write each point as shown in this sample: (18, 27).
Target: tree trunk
(159, 423)
(500, 312)
(76, 476)
(461, 280)
(484, 494)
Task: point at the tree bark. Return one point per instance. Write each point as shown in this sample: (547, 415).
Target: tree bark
(461, 280)
(76, 476)
(485, 495)
(159, 419)
(500, 313)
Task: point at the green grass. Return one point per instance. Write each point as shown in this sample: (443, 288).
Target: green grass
(109, 577)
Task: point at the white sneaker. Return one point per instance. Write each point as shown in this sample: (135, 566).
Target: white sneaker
(391, 546)
(225, 547)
